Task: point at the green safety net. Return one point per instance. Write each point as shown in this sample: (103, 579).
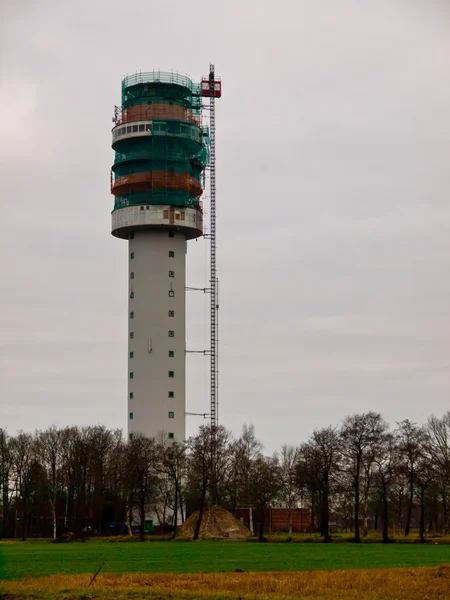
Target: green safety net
(145, 166)
(157, 197)
(160, 147)
(145, 88)
(173, 146)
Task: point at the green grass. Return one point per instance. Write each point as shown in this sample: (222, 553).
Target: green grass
(19, 560)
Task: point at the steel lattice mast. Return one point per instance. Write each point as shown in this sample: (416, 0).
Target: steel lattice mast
(213, 273)
(212, 87)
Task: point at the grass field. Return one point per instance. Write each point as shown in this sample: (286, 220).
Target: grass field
(376, 584)
(18, 560)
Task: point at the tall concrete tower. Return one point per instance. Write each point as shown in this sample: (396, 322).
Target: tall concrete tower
(161, 151)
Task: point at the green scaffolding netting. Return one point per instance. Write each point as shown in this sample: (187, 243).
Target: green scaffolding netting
(173, 146)
(145, 166)
(156, 197)
(161, 147)
(145, 89)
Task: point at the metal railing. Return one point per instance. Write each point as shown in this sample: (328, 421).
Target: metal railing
(163, 77)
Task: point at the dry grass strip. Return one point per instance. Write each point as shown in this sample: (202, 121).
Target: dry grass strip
(376, 584)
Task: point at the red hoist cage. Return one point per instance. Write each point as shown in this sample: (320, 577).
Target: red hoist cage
(212, 88)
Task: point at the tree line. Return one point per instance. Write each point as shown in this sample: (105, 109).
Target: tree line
(360, 475)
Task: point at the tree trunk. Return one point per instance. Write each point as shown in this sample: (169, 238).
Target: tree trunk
(142, 517)
(357, 538)
(261, 525)
(200, 514)
(250, 519)
(180, 496)
(325, 518)
(410, 503)
(385, 517)
(53, 507)
(445, 509)
(175, 512)
(422, 515)
(25, 521)
(128, 516)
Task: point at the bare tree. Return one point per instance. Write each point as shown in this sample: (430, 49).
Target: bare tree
(438, 431)
(209, 459)
(22, 453)
(6, 467)
(359, 433)
(246, 451)
(321, 456)
(386, 460)
(50, 451)
(290, 492)
(410, 440)
(173, 462)
(265, 485)
(142, 456)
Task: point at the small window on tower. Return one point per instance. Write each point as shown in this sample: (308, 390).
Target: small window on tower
(171, 394)
(171, 373)
(171, 414)
(171, 293)
(171, 313)
(131, 415)
(131, 395)
(171, 353)
(131, 335)
(131, 354)
(132, 275)
(171, 436)
(171, 273)
(171, 254)
(171, 333)
(132, 255)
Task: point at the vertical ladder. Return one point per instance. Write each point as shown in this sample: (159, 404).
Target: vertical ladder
(213, 276)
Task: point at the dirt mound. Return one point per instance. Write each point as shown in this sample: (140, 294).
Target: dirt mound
(216, 523)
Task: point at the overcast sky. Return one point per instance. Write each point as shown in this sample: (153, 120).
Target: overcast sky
(333, 145)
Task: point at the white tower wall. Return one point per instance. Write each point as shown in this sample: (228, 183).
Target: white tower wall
(156, 379)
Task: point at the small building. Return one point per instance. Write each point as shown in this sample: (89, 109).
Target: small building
(277, 519)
